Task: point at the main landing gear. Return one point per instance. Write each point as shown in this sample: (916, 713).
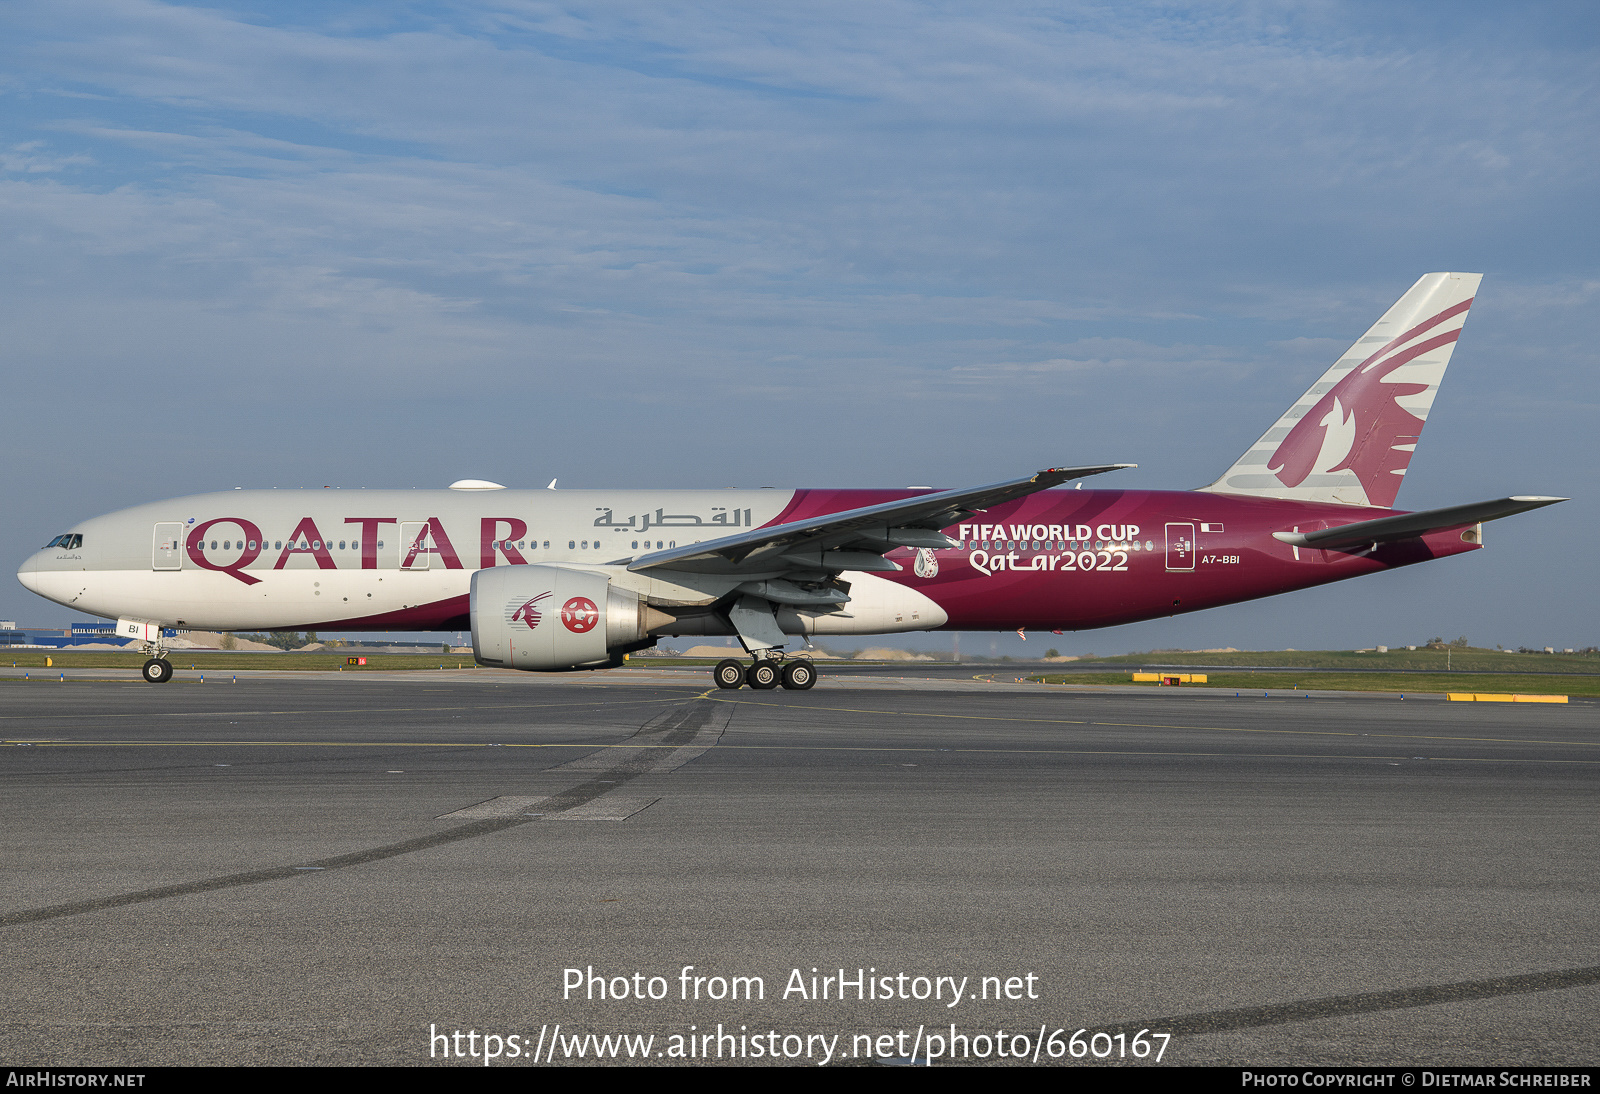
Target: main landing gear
(766, 674)
(754, 622)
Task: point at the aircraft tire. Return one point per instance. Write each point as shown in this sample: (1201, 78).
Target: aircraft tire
(729, 675)
(799, 675)
(763, 675)
(157, 670)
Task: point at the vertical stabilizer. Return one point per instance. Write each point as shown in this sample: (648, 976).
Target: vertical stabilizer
(1350, 438)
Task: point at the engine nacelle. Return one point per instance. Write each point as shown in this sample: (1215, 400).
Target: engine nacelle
(551, 618)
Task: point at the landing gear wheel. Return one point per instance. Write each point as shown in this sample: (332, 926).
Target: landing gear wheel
(729, 675)
(157, 670)
(799, 675)
(763, 675)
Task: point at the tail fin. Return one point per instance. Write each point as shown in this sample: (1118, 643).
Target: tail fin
(1350, 438)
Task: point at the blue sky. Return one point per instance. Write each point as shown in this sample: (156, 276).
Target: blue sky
(833, 244)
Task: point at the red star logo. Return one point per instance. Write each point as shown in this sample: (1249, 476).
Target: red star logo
(579, 615)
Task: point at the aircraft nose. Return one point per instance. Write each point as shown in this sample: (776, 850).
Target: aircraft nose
(28, 574)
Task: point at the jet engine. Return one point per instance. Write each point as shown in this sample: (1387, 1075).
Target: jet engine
(552, 618)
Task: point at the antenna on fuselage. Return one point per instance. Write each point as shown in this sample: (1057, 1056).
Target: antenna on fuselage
(552, 485)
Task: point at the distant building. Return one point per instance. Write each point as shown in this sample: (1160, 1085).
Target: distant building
(95, 632)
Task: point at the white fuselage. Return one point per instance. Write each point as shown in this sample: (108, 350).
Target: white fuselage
(403, 559)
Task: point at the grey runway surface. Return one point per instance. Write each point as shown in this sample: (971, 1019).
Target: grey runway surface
(347, 869)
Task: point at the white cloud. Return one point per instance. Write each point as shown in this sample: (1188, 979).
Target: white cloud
(33, 158)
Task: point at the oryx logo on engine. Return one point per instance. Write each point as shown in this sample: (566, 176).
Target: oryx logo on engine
(527, 612)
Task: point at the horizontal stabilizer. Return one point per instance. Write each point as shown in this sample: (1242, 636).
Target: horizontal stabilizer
(1412, 525)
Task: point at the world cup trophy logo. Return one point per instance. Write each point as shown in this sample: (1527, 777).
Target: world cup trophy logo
(927, 563)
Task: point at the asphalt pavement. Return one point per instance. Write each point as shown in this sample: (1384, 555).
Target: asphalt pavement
(351, 868)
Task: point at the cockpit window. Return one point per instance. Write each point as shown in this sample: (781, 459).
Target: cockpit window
(68, 542)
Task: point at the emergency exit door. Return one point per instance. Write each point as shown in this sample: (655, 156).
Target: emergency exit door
(416, 545)
(166, 552)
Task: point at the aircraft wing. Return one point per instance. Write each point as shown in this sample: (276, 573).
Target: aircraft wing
(1412, 525)
(855, 539)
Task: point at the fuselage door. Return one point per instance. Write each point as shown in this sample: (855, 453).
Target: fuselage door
(166, 552)
(415, 545)
(1180, 546)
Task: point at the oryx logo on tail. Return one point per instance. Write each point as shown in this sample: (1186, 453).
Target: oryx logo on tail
(527, 613)
(1351, 437)
(1360, 425)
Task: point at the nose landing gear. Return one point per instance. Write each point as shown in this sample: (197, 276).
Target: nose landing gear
(157, 669)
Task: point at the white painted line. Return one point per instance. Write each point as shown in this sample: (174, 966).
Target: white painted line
(493, 809)
(605, 808)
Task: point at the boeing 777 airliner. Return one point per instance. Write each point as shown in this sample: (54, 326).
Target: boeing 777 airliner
(557, 580)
